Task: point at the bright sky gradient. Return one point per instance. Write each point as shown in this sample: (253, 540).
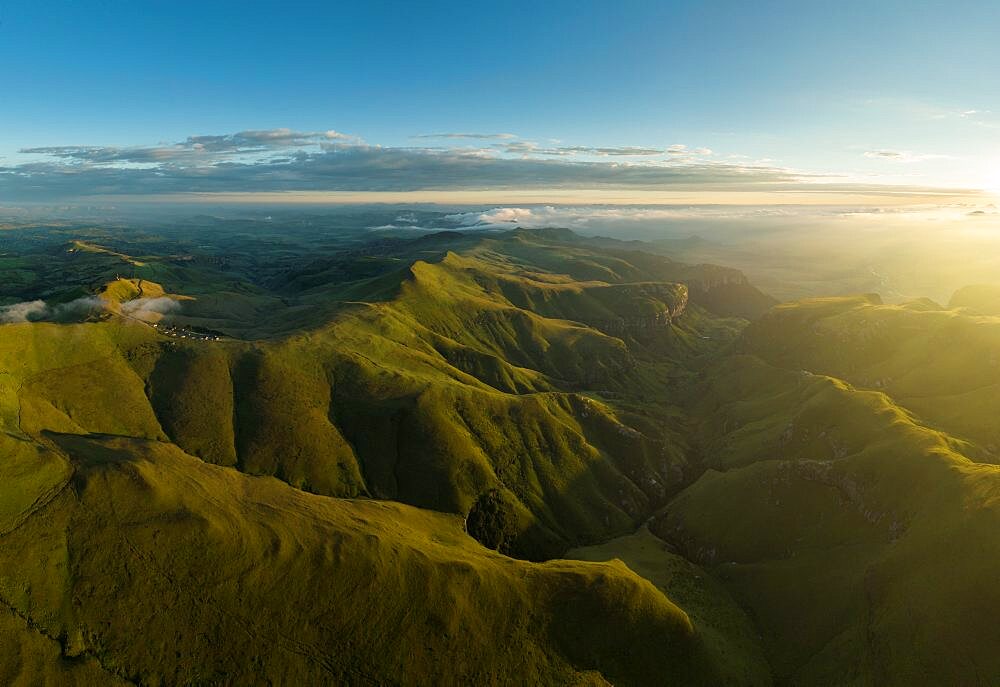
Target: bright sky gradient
(626, 99)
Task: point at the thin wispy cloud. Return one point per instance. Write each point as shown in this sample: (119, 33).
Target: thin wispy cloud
(532, 148)
(527, 148)
(976, 116)
(621, 151)
(943, 114)
(905, 156)
(502, 136)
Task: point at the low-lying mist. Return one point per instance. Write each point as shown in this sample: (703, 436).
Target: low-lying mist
(795, 251)
(84, 308)
(790, 251)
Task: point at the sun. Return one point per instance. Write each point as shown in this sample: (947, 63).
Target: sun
(991, 179)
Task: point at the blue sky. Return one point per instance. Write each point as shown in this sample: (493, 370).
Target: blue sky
(775, 93)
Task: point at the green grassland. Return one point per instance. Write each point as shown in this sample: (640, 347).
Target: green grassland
(157, 567)
(809, 498)
(943, 365)
(729, 636)
(854, 526)
(425, 384)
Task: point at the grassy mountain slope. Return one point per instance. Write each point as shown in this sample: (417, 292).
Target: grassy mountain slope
(826, 483)
(860, 538)
(941, 364)
(444, 391)
(145, 541)
(30, 657)
(729, 636)
(983, 299)
(430, 380)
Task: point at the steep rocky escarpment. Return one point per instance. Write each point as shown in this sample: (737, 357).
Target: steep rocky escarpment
(643, 309)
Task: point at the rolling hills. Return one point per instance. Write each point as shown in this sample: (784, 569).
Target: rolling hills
(686, 485)
(850, 521)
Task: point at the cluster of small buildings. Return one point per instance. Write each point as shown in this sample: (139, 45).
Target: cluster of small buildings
(183, 333)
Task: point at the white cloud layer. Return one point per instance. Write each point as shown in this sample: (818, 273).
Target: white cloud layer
(590, 218)
(40, 311)
(142, 308)
(33, 311)
(23, 312)
(596, 216)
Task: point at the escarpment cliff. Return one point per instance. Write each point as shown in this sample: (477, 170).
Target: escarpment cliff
(650, 307)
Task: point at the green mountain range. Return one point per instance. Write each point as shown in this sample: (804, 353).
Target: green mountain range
(527, 457)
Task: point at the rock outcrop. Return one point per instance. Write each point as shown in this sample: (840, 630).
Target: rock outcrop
(656, 307)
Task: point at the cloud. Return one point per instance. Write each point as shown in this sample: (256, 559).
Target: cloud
(622, 150)
(276, 161)
(625, 220)
(601, 217)
(262, 139)
(532, 148)
(902, 156)
(526, 148)
(529, 148)
(465, 135)
(34, 311)
(729, 220)
(205, 148)
(373, 167)
(973, 115)
(336, 165)
(888, 154)
(142, 308)
(513, 146)
(28, 311)
(81, 308)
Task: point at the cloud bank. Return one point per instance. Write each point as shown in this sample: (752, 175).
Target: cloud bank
(284, 160)
(219, 164)
(37, 311)
(206, 149)
(81, 308)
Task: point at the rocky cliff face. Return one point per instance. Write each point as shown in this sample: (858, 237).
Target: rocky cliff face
(668, 302)
(712, 277)
(730, 294)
